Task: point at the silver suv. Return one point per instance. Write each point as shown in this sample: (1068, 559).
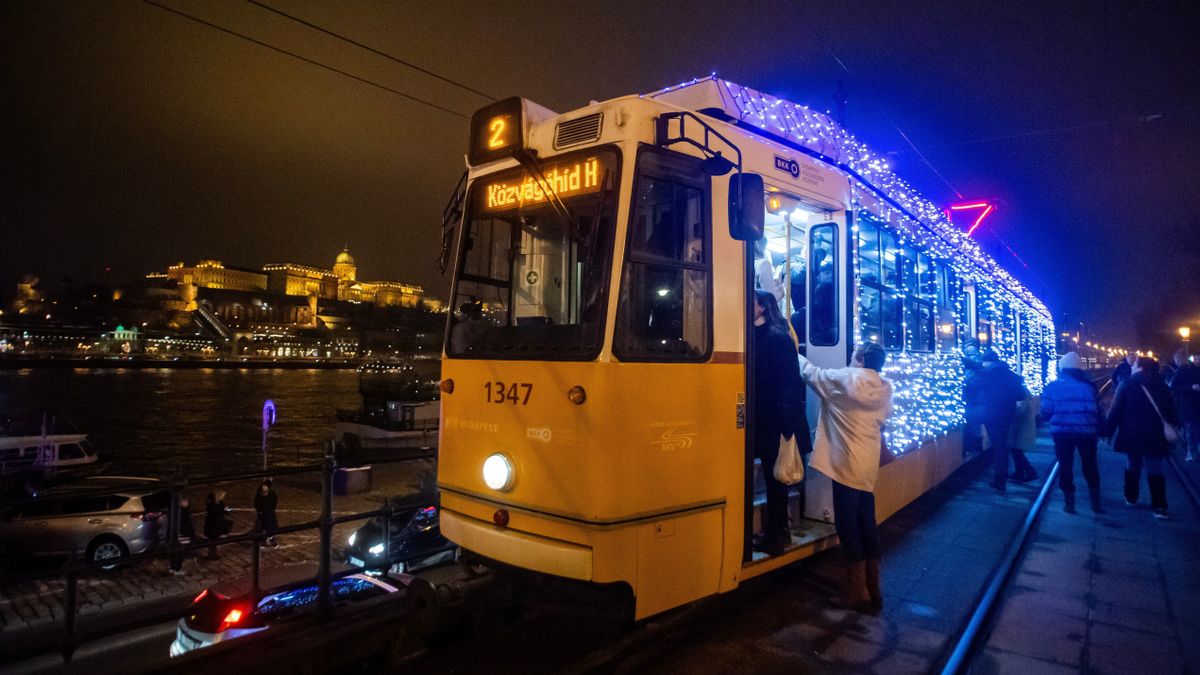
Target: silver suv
(99, 527)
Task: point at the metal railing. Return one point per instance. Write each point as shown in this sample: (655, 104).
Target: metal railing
(174, 548)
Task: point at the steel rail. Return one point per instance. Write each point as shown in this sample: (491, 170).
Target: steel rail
(960, 658)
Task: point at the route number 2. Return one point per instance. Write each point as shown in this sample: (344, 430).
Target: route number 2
(516, 393)
(497, 127)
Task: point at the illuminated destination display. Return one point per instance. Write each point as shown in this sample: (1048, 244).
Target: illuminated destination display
(566, 179)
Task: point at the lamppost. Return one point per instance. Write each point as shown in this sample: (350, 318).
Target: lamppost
(1185, 332)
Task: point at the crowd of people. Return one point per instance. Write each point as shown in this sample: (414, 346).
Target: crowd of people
(1149, 413)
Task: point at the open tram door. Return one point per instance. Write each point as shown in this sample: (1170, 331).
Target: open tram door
(799, 261)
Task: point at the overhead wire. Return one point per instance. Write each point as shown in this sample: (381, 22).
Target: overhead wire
(305, 59)
(921, 155)
(371, 49)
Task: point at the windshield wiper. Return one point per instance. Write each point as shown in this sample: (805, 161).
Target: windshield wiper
(530, 162)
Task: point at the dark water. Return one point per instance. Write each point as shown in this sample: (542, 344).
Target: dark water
(204, 421)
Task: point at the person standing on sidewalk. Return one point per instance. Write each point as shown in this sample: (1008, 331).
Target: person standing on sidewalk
(1071, 405)
(855, 403)
(216, 525)
(1141, 407)
(973, 430)
(1185, 387)
(187, 532)
(265, 503)
(995, 391)
(1123, 370)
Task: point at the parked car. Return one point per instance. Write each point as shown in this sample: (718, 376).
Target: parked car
(416, 540)
(99, 527)
(227, 611)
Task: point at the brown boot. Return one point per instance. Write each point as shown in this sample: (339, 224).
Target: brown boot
(854, 596)
(873, 584)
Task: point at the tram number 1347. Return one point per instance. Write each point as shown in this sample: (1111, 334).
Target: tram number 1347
(516, 393)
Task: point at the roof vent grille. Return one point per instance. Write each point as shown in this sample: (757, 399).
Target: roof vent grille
(576, 131)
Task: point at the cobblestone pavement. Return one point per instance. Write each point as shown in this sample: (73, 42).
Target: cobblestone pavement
(30, 604)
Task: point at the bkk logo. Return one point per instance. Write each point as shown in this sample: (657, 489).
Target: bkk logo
(790, 166)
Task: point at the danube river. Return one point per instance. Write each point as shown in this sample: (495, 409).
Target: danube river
(205, 421)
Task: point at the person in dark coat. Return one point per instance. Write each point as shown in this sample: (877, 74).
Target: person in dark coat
(186, 533)
(216, 525)
(1123, 370)
(778, 411)
(994, 393)
(1071, 404)
(1185, 387)
(1138, 430)
(972, 432)
(265, 503)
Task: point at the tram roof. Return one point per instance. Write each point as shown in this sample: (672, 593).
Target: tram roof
(817, 134)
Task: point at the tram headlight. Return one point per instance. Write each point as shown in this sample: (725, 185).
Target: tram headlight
(498, 472)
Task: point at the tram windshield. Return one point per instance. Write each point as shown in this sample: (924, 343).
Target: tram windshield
(535, 259)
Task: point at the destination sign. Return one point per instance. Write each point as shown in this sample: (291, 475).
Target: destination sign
(565, 179)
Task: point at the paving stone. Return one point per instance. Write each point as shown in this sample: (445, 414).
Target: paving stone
(1032, 631)
(901, 662)
(1132, 593)
(1120, 651)
(1127, 617)
(998, 662)
(1051, 603)
(1110, 571)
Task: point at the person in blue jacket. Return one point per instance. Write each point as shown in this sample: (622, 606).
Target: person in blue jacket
(1071, 405)
(994, 391)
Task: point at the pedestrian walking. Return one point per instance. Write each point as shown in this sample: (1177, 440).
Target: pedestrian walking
(778, 413)
(265, 503)
(994, 392)
(1123, 370)
(216, 524)
(855, 403)
(1022, 437)
(1136, 423)
(186, 532)
(1071, 404)
(1185, 388)
(973, 430)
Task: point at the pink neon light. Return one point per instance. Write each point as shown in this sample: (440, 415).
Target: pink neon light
(987, 208)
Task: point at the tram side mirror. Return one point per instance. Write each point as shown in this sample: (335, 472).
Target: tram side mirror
(746, 207)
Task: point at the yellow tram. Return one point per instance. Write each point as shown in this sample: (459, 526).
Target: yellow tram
(595, 371)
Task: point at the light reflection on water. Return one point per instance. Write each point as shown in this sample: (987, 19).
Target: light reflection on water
(205, 421)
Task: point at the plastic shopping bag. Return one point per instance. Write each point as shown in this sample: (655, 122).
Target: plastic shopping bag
(789, 467)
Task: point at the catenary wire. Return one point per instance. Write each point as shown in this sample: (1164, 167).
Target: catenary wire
(307, 60)
(371, 49)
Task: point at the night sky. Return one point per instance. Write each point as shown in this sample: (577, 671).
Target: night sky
(135, 137)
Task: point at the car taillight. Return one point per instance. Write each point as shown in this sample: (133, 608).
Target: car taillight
(232, 618)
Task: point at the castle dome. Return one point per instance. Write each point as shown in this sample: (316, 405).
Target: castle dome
(344, 258)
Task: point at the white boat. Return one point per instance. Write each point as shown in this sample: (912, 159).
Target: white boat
(400, 408)
(48, 455)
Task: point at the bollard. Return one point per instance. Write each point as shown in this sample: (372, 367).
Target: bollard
(256, 568)
(173, 515)
(324, 594)
(68, 644)
(387, 535)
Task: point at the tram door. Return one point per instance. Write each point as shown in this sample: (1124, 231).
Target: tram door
(805, 286)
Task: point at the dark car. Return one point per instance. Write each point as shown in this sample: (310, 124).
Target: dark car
(228, 611)
(416, 540)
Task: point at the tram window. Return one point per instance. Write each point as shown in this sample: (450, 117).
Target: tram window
(893, 320)
(890, 256)
(926, 285)
(663, 311)
(947, 299)
(823, 326)
(919, 322)
(532, 278)
(868, 253)
(869, 312)
(908, 269)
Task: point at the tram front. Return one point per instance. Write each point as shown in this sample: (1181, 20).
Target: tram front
(591, 404)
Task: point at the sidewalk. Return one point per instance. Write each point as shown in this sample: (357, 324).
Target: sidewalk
(1110, 594)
